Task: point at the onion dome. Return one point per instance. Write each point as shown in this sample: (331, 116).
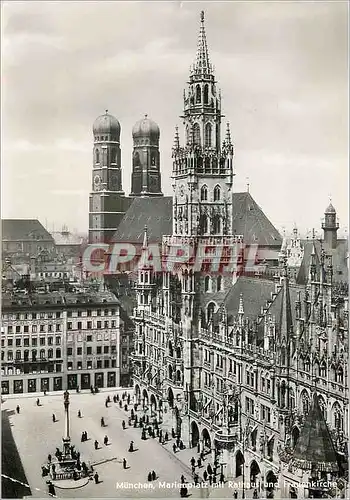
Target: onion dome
(106, 125)
(146, 129)
(330, 209)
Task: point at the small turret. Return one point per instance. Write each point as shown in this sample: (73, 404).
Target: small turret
(330, 227)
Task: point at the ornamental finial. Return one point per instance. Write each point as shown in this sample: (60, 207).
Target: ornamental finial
(202, 16)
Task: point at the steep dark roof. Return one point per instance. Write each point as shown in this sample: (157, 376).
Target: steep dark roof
(255, 293)
(314, 448)
(339, 260)
(24, 229)
(250, 220)
(279, 310)
(157, 214)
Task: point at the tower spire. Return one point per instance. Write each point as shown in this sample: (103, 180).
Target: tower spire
(202, 64)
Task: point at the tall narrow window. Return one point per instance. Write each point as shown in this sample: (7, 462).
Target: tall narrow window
(198, 94)
(205, 224)
(197, 134)
(204, 193)
(97, 155)
(206, 94)
(208, 130)
(217, 224)
(217, 193)
(114, 155)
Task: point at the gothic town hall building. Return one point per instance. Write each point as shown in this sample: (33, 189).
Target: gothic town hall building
(251, 370)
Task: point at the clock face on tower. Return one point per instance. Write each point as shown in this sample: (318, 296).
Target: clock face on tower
(97, 182)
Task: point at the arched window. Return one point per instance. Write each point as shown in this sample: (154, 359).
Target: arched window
(207, 284)
(42, 353)
(197, 134)
(26, 355)
(198, 94)
(323, 369)
(136, 159)
(210, 310)
(217, 224)
(58, 353)
(217, 193)
(97, 156)
(291, 398)
(50, 353)
(34, 355)
(171, 351)
(219, 284)
(205, 224)
(208, 130)
(323, 406)
(305, 402)
(18, 354)
(114, 155)
(204, 193)
(306, 364)
(340, 375)
(206, 94)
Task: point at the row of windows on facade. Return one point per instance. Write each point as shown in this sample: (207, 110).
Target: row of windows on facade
(57, 354)
(53, 274)
(202, 94)
(89, 325)
(216, 193)
(194, 135)
(89, 365)
(58, 314)
(209, 284)
(33, 341)
(105, 138)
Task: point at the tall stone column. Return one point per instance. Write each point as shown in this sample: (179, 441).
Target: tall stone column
(66, 438)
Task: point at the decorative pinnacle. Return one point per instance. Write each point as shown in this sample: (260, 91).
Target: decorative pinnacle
(145, 238)
(202, 65)
(228, 134)
(176, 138)
(241, 308)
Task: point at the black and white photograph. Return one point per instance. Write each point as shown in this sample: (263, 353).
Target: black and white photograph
(175, 259)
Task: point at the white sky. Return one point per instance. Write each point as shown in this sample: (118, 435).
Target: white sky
(282, 68)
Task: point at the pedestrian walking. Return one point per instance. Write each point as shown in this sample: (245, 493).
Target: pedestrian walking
(205, 475)
(210, 479)
(38, 402)
(114, 398)
(182, 447)
(128, 399)
(255, 493)
(202, 456)
(51, 488)
(49, 458)
(199, 463)
(131, 447)
(117, 397)
(166, 436)
(193, 461)
(193, 470)
(102, 422)
(183, 492)
(222, 478)
(195, 479)
(53, 418)
(53, 467)
(123, 425)
(129, 422)
(96, 477)
(105, 440)
(135, 407)
(198, 447)
(209, 469)
(120, 404)
(235, 494)
(154, 475)
(18, 409)
(149, 477)
(183, 479)
(92, 390)
(214, 479)
(82, 437)
(96, 444)
(79, 414)
(173, 432)
(124, 463)
(174, 447)
(125, 407)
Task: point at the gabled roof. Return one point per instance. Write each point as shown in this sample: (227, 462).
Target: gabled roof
(314, 449)
(250, 220)
(24, 230)
(339, 260)
(255, 293)
(157, 214)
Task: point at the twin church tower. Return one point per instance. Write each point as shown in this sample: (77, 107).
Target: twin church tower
(202, 168)
(108, 202)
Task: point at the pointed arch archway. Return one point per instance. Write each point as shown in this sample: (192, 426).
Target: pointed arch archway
(145, 399)
(271, 481)
(206, 439)
(254, 472)
(295, 435)
(194, 434)
(138, 394)
(170, 397)
(239, 463)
